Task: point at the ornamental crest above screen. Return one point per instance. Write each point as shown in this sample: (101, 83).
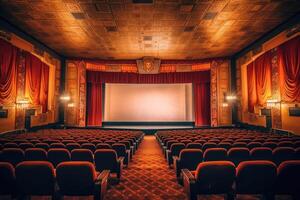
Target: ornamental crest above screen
(148, 65)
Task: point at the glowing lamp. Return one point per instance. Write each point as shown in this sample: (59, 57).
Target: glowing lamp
(225, 105)
(231, 97)
(71, 105)
(65, 98)
(22, 102)
(272, 102)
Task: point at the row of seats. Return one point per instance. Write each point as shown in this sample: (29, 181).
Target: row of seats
(190, 158)
(249, 177)
(276, 154)
(39, 178)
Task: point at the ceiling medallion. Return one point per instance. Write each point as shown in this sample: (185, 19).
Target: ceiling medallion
(148, 65)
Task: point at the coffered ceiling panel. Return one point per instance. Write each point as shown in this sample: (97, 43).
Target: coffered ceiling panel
(167, 29)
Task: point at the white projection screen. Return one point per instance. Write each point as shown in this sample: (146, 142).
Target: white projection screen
(148, 103)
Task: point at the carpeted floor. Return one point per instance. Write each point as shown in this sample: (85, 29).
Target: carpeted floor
(147, 177)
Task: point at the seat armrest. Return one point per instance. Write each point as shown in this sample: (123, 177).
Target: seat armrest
(103, 176)
(188, 176)
(101, 184)
(121, 160)
(175, 161)
(189, 183)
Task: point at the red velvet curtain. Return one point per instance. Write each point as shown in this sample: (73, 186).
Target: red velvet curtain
(33, 68)
(94, 104)
(180, 77)
(259, 80)
(201, 81)
(251, 83)
(289, 63)
(36, 81)
(8, 72)
(202, 104)
(44, 87)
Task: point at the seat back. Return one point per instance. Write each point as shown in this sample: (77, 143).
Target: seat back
(281, 154)
(71, 146)
(238, 154)
(252, 145)
(35, 154)
(215, 154)
(288, 176)
(25, 145)
(82, 155)
(103, 146)
(255, 177)
(105, 159)
(120, 149)
(271, 145)
(7, 178)
(190, 158)
(44, 146)
(56, 156)
(208, 177)
(57, 145)
(76, 178)
(208, 145)
(35, 178)
(194, 145)
(225, 145)
(89, 146)
(176, 148)
(13, 155)
(261, 153)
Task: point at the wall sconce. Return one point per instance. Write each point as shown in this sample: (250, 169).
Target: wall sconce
(230, 97)
(71, 105)
(65, 98)
(225, 105)
(22, 102)
(272, 102)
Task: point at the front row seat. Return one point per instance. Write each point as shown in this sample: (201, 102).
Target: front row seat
(212, 177)
(79, 178)
(107, 159)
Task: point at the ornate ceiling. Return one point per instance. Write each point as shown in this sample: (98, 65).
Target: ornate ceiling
(168, 29)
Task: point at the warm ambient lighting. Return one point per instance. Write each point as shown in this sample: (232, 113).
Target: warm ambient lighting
(22, 102)
(272, 102)
(71, 105)
(225, 105)
(65, 97)
(230, 97)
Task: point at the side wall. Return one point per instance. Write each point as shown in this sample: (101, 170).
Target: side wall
(16, 116)
(280, 115)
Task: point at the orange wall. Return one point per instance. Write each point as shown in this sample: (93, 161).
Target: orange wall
(10, 123)
(288, 123)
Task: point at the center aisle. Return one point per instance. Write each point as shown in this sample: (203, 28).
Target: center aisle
(147, 177)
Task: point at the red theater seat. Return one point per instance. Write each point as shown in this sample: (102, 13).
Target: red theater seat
(81, 179)
(194, 145)
(252, 145)
(174, 151)
(89, 146)
(225, 145)
(271, 145)
(56, 156)
(207, 179)
(35, 154)
(103, 146)
(208, 145)
(10, 145)
(288, 176)
(7, 179)
(25, 146)
(286, 144)
(82, 155)
(122, 152)
(255, 177)
(281, 154)
(215, 154)
(107, 159)
(238, 154)
(261, 153)
(188, 159)
(44, 146)
(35, 178)
(13, 155)
(57, 145)
(72, 146)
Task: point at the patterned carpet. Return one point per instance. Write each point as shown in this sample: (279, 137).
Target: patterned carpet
(147, 177)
